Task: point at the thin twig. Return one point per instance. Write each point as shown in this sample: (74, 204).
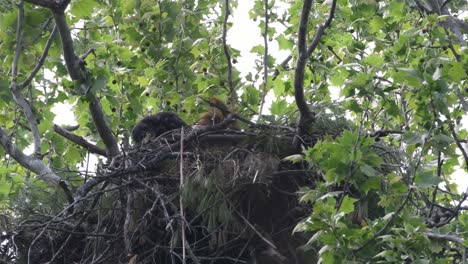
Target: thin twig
(232, 94)
(265, 61)
(41, 61)
(181, 188)
(19, 36)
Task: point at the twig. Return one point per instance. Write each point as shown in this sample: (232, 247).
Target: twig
(19, 35)
(41, 61)
(283, 65)
(232, 93)
(255, 230)
(80, 141)
(384, 133)
(265, 61)
(181, 188)
(321, 30)
(84, 56)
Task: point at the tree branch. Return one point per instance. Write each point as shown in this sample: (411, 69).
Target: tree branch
(455, 239)
(321, 30)
(42, 171)
(75, 69)
(54, 5)
(41, 61)
(265, 61)
(14, 88)
(306, 114)
(80, 141)
(232, 93)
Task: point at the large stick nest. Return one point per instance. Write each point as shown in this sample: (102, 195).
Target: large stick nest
(206, 196)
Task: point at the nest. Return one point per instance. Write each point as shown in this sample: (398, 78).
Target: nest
(205, 196)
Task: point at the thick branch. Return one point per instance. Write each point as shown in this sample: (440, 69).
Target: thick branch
(71, 60)
(30, 116)
(103, 127)
(80, 141)
(451, 238)
(74, 66)
(302, 58)
(35, 165)
(54, 5)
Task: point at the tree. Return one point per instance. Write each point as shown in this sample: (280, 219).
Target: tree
(380, 92)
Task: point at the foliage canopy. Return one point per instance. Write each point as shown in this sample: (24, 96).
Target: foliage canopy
(385, 84)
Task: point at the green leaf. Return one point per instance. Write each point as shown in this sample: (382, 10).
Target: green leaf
(396, 10)
(283, 43)
(99, 84)
(426, 179)
(347, 206)
(4, 187)
(373, 183)
(279, 107)
(340, 75)
(83, 8)
(376, 24)
(128, 6)
(456, 71)
(374, 60)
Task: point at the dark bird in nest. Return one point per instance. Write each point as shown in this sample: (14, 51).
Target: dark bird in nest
(155, 125)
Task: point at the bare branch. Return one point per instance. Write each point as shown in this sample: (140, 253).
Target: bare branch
(80, 141)
(232, 93)
(451, 238)
(35, 165)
